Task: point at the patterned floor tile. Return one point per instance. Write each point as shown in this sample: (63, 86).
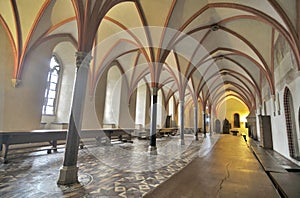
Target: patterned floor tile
(118, 170)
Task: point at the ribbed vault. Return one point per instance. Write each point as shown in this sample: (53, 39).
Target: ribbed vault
(207, 50)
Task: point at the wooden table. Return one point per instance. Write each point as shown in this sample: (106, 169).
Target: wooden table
(234, 132)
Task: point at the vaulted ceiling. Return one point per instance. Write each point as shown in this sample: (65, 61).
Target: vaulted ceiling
(207, 50)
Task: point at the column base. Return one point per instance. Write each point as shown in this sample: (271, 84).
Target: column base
(152, 150)
(68, 175)
(196, 137)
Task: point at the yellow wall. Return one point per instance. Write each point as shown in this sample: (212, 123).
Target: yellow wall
(229, 108)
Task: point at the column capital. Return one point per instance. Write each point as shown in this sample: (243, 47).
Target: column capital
(83, 59)
(273, 96)
(154, 91)
(15, 82)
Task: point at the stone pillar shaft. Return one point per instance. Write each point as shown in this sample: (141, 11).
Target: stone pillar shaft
(196, 122)
(181, 121)
(68, 173)
(153, 119)
(208, 117)
(204, 122)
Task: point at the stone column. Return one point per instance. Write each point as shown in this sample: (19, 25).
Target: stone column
(153, 119)
(212, 122)
(251, 121)
(181, 121)
(68, 173)
(209, 124)
(196, 122)
(204, 123)
(260, 110)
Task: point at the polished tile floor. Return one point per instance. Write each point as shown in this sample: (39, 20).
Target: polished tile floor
(116, 170)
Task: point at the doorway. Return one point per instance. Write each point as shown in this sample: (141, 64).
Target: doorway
(291, 125)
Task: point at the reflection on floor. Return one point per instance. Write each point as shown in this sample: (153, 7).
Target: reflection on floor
(117, 170)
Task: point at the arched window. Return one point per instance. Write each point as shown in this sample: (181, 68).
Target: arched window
(236, 121)
(291, 124)
(53, 78)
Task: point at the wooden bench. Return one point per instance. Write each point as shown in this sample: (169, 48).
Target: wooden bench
(36, 136)
(52, 136)
(283, 172)
(124, 135)
(167, 131)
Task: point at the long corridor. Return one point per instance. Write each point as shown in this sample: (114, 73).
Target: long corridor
(229, 169)
(216, 166)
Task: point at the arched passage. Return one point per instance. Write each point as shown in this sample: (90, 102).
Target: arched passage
(236, 120)
(113, 97)
(217, 126)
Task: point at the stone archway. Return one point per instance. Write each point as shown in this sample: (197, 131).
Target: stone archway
(236, 120)
(290, 124)
(217, 126)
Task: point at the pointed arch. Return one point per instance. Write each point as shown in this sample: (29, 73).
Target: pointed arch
(52, 88)
(290, 124)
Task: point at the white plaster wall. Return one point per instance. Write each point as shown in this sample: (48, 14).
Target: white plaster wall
(286, 75)
(161, 111)
(113, 94)
(269, 105)
(258, 126)
(278, 125)
(90, 119)
(178, 116)
(66, 53)
(127, 103)
(189, 115)
(171, 107)
(141, 104)
(6, 72)
(295, 92)
(22, 105)
(212, 122)
(280, 141)
(112, 107)
(132, 108)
